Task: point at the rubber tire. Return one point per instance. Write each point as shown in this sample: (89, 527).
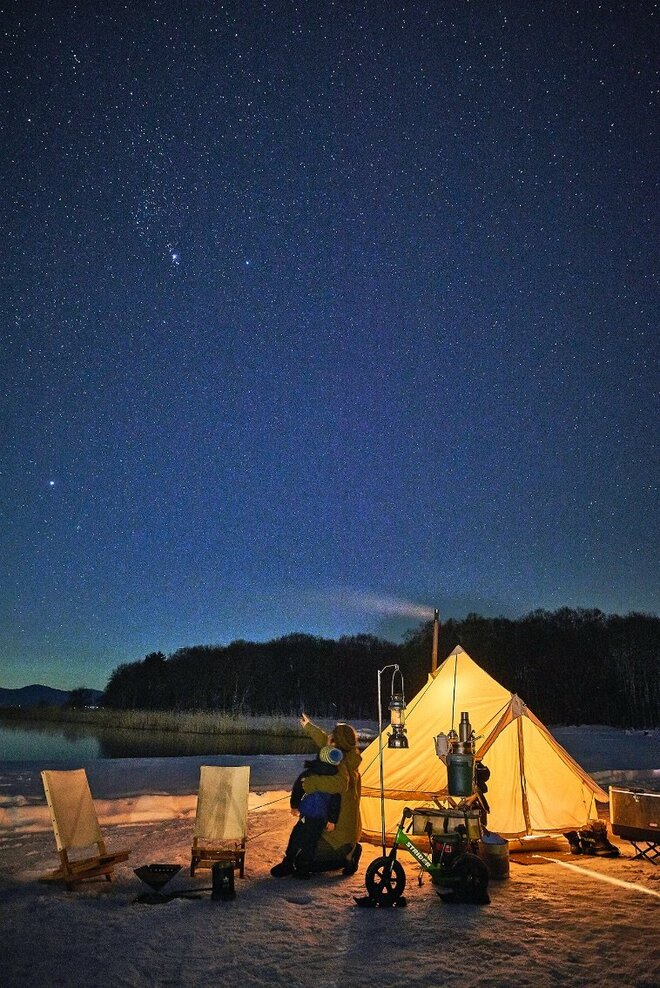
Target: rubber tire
(385, 880)
(469, 876)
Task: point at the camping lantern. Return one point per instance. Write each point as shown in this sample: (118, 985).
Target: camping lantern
(398, 737)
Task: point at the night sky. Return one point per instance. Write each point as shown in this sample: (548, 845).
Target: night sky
(312, 307)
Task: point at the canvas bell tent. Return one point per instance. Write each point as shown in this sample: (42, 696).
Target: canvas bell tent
(535, 787)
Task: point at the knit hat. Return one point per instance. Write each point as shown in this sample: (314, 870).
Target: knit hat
(331, 755)
(344, 737)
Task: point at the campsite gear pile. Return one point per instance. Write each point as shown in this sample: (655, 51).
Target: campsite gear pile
(535, 787)
(454, 830)
(456, 751)
(453, 866)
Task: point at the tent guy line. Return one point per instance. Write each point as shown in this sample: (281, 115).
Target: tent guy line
(602, 878)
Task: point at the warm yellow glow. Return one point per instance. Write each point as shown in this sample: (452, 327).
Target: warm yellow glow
(534, 787)
(601, 878)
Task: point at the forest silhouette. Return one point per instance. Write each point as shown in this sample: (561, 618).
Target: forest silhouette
(569, 666)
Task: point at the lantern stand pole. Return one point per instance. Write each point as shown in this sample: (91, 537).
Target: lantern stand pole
(395, 669)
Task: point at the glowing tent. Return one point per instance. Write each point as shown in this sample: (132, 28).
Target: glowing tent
(535, 787)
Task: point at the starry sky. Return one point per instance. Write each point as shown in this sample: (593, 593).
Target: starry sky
(316, 310)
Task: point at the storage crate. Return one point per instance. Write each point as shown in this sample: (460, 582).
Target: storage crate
(635, 816)
(446, 821)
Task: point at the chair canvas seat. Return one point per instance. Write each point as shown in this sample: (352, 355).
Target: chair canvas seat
(220, 831)
(76, 828)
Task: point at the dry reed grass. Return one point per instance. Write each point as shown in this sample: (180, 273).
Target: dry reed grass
(186, 722)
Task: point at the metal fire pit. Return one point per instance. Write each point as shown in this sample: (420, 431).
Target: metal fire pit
(156, 876)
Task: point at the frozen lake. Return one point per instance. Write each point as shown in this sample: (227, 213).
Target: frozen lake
(612, 755)
(75, 744)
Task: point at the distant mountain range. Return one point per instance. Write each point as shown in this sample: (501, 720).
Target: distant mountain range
(37, 695)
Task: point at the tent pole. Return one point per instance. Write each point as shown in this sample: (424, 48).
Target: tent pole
(434, 653)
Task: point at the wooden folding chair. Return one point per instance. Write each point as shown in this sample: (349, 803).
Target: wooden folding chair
(221, 820)
(76, 828)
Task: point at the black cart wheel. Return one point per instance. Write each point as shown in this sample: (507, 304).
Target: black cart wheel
(385, 880)
(469, 876)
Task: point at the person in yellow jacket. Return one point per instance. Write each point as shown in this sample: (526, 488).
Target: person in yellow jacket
(338, 848)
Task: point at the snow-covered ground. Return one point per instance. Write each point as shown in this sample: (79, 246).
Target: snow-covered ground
(558, 919)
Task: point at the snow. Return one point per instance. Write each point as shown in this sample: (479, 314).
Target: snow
(558, 919)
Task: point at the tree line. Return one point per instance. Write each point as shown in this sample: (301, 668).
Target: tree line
(569, 666)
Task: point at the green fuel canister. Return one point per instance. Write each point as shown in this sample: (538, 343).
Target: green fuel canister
(460, 771)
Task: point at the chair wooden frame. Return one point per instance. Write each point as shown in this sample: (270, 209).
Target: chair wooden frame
(220, 832)
(76, 827)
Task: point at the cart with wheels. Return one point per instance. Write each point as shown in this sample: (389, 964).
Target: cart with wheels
(453, 865)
